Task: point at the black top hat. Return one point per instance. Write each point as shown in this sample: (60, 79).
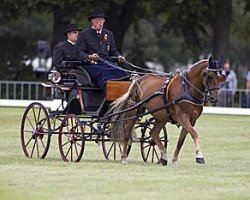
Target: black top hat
(96, 13)
(71, 27)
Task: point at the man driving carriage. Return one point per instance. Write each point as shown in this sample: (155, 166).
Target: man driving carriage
(96, 46)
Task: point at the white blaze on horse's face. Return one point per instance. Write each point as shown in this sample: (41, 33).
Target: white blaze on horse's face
(211, 82)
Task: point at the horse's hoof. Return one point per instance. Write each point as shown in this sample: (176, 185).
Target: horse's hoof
(124, 161)
(163, 161)
(174, 163)
(200, 160)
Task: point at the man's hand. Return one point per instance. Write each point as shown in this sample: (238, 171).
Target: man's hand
(121, 59)
(93, 57)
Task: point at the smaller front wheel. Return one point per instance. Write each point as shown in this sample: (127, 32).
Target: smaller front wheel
(71, 139)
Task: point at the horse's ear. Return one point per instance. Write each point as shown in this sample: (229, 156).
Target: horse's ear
(210, 61)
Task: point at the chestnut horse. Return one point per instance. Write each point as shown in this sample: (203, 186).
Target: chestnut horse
(179, 100)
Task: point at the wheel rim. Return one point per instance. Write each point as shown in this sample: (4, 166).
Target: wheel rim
(149, 150)
(112, 149)
(71, 139)
(35, 131)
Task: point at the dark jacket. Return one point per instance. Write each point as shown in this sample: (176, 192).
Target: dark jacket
(90, 42)
(64, 51)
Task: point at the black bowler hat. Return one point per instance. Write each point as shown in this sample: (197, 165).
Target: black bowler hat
(71, 27)
(96, 13)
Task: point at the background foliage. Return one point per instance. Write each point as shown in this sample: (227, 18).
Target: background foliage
(172, 33)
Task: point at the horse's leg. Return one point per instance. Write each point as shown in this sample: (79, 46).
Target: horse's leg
(180, 142)
(127, 135)
(189, 128)
(155, 132)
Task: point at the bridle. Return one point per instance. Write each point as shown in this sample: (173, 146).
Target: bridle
(208, 90)
(206, 94)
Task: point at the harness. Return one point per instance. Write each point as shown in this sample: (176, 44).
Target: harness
(185, 96)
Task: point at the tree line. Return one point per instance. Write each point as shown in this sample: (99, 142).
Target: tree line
(166, 32)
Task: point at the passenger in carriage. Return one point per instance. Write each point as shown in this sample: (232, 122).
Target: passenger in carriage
(96, 44)
(66, 51)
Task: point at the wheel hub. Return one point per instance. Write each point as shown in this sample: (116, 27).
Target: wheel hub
(72, 138)
(152, 142)
(37, 132)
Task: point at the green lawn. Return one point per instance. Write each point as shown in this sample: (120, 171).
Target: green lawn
(225, 144)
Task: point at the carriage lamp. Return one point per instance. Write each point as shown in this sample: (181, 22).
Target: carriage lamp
(55, 77)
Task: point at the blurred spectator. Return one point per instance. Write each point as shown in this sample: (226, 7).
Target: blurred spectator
(247, 103)
(227, 90)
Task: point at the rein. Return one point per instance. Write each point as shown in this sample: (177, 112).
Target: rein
(147, 71)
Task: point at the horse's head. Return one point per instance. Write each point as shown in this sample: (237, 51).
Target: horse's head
(212, 78)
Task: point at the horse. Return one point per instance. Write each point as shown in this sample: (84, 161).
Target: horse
(178, 100)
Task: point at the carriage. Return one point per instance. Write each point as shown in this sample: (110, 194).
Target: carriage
(80, 117)
(178, 99)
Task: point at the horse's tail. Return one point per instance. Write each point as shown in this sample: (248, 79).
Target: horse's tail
(117, 121)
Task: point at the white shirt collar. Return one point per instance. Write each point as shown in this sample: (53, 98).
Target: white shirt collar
(100, 31)
(71, 42)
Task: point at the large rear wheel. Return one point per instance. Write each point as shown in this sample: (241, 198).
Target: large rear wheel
(35, 131)
(71, 139)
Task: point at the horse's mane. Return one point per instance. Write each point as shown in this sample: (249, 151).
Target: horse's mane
(193, 66)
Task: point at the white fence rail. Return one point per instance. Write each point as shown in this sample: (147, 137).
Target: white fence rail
(22, 93)
(24, 90)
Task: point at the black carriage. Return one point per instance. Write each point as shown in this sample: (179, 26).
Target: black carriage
(79, 118)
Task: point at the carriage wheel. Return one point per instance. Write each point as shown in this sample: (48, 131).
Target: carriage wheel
(35, 131)
(111, 149)
(149, 150)
(71, 139)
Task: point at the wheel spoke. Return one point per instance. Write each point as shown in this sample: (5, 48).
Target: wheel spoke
(71, 153)
(65, 143)
(68, 150)
(27, 131)
(43, 123)
(110, 149)
(28, 142)
(71, 119)
(37, 148)
(114, 150)
(78, 144)
(157, 156)
(68, 128)
(66, 134)
(146, 146)
(34, 114)
(153, 155)
(29, 122)
(39, 112)
(42, 143)
(120, 148)
(148, 152)
(76, 150)
(33, 149)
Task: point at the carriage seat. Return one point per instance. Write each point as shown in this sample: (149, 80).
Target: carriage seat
(71, 73)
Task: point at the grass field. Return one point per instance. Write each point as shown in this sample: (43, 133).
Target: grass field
(225, 144)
